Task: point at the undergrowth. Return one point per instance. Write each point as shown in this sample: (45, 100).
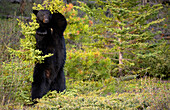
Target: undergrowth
(137, 94)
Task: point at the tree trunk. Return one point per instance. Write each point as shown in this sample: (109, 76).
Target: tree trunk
(120, 58)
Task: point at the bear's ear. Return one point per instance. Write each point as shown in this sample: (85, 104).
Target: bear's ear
(35, 12)
(59, 20)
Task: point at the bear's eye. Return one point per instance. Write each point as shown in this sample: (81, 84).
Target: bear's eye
(40, 14)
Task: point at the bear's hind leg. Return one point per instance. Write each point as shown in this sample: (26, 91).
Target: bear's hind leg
(58, 83)
(40, 85)
(39, 89)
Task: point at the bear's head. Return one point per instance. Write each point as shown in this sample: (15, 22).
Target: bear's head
(53, 21)
(43, 17)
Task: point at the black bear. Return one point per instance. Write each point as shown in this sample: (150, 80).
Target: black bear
(49, 75)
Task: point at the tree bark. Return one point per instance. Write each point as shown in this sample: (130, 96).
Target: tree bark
(120, 58)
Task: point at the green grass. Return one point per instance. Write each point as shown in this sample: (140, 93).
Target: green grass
(144, 93)
(9, 37)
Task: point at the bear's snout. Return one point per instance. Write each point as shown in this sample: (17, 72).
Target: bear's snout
(45, 20)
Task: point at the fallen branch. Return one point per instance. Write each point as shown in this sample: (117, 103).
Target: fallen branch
(18, 17)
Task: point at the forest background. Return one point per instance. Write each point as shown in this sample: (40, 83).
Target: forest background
(117, 55)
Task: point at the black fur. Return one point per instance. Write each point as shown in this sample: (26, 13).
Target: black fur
(49, 39)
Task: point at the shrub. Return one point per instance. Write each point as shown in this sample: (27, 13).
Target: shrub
(15, 81)
(87, 64)
(159, 63)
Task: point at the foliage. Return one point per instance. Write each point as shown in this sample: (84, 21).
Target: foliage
(15, 80)
(136, 94)
(145, 93)
(124, 27)
(87, 64)
(159, 63)
(14, 74)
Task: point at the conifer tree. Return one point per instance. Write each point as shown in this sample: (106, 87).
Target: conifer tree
(123, 26)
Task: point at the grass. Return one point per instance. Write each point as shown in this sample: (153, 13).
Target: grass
(145, 93)
(9, 36)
